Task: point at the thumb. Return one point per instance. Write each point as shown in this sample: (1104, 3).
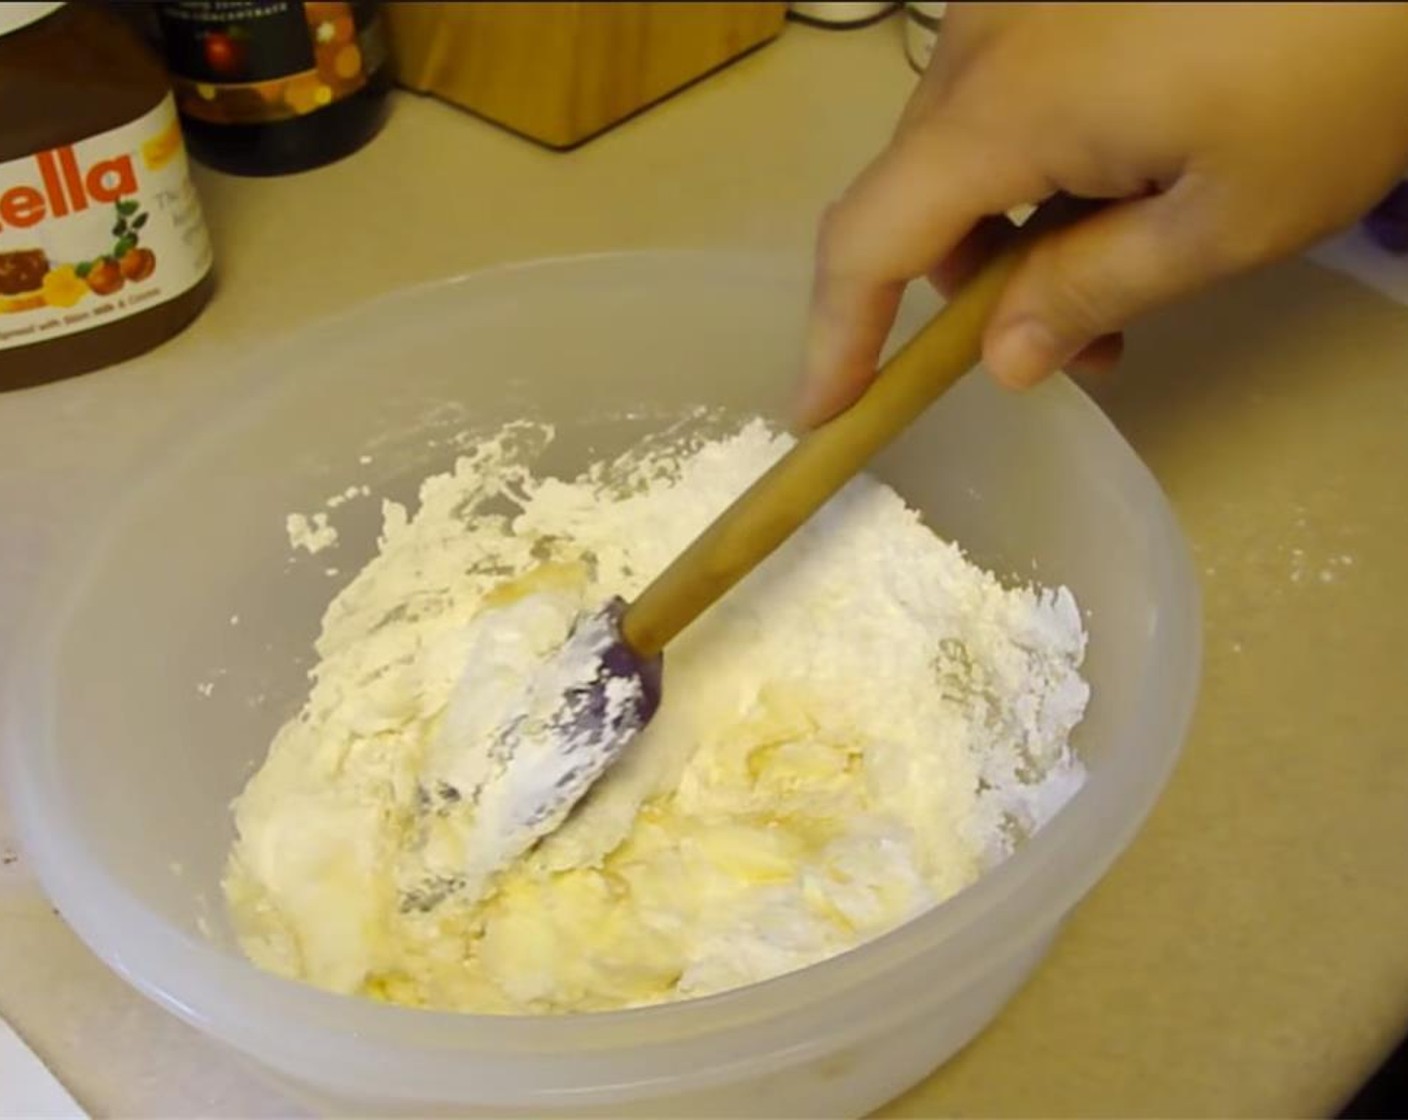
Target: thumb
(1092, 278)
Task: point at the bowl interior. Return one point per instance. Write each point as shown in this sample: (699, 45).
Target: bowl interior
(188, 625)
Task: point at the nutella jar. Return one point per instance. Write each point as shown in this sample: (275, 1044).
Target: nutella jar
(103, 248)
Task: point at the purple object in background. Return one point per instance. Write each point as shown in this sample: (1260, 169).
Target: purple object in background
(1387, 222)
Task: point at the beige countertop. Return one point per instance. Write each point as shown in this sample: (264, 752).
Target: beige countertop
(1249, 954)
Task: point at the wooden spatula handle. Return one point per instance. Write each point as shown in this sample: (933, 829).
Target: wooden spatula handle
(827, 458)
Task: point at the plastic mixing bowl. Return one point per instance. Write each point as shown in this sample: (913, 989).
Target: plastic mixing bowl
(121, 769)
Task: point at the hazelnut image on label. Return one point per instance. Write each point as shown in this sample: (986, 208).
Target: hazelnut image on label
(104, 278)
(137, 264)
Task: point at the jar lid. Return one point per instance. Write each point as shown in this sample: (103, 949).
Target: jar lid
(13, 16)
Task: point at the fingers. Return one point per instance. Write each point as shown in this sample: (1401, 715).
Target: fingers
(849, 321)
(905, 212)
(1100, 356)
(1089, 280)
(976, 248)
(980, 244)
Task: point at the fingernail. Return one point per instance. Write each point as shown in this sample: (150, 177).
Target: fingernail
(809, 404)
(810, 399)
(1022, 353)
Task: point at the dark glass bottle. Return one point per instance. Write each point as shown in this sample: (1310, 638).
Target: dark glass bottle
(268, 88)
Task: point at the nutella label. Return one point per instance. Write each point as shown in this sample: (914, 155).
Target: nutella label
(98, 230)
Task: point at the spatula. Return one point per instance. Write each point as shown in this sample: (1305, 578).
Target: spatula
(593, 696)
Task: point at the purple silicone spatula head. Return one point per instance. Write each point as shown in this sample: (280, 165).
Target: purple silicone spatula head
(574, 716)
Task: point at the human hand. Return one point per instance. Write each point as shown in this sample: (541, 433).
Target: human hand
(1228, 135)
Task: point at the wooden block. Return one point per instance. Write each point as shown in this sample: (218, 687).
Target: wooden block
(560, 72)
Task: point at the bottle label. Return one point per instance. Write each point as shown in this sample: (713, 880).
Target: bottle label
(256, 61)
(98, 230)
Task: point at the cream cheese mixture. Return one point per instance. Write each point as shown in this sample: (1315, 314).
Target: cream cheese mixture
(853, 734)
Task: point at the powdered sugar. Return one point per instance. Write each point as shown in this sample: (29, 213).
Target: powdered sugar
(852, 734)
(312, 534)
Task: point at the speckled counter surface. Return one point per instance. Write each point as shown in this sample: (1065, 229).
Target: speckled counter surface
(1249, 955)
